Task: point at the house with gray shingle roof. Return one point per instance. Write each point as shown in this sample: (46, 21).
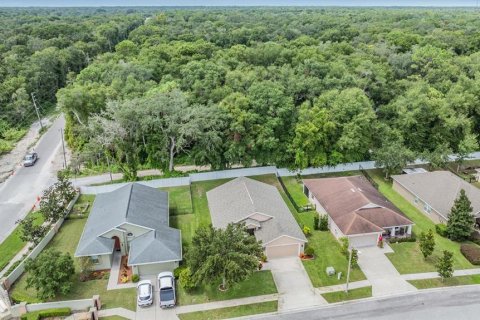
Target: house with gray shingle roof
(261, 207)
(131, 221)
(434, 193)
(356, 210)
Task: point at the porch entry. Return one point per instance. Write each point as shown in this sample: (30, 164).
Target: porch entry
(117, 243)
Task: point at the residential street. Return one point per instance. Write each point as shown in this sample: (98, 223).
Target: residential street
(459, 303)
(18, 194)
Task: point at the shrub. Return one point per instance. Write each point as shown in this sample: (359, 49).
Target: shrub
(135, 278)
(263, 258)
(323, 223)
(306, 231)
(177, 271)
(309, 251)
(441, 229)
(185, 279)
(344, 243)
(412, 238)
(316, 221)
(48, 313)
(471, 252)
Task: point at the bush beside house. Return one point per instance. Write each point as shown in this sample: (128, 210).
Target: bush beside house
(48, 313)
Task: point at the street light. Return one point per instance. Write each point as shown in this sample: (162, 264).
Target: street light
(349, 267)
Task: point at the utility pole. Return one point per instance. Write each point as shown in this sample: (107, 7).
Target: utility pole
(63, 147)
(349, 267)
(36, 110)
(109, 169)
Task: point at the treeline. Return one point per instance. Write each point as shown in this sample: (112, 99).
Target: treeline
(41, 50)
(291, 87)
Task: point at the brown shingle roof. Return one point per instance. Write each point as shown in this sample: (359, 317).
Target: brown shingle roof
(355, 205)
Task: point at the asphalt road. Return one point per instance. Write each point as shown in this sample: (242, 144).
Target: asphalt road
(461, 303)
(18, 194)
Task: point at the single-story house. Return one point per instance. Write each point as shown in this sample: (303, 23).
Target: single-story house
(435, 192)
(356, 210)
(132, 220)
(261, 207)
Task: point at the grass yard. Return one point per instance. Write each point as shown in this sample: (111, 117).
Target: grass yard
(353, 294)
(66, 240)
(437, 282)
(259, 283)
(296, 191)
(180, 200)
(232, 312)
(13, 244)
(327, 253)
(407, 257)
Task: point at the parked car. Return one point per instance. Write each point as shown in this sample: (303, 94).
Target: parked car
(30, 159)
(166, 285)
(144, 293)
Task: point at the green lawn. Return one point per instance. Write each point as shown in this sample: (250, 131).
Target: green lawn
(66, 241)
(232, 312)
(259, 283)
(296, 191)
(180, 201)
(327, 254)
(353, 294)
(407, 257)
(437, 282)
(13, 244)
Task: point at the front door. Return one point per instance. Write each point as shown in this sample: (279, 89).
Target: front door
(117, 243)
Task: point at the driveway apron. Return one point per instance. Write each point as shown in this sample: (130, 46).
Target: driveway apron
(294, 287)
(381, 273)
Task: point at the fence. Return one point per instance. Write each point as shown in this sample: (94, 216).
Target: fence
(255, 171)
(20, 269)
(72, 304)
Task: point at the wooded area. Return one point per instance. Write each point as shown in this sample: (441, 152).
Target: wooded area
(293, 87)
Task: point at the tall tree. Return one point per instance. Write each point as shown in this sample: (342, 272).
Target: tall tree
(228, 255)
(444, 265)
(461, 220)
(50, 273)
(392, 156)
(31, 231)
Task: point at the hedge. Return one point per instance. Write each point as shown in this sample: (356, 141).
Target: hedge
(441, 229)
(471, 252)
(412, 238)
(38, 315)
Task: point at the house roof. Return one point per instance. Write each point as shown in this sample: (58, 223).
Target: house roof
(355, 205)
(134, 204)
(244, 199)
(439, 189)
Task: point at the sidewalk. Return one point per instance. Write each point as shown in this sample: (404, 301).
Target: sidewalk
(431, 275)
(114, 272)
(225, 303)
(341, 287)
(128, 314)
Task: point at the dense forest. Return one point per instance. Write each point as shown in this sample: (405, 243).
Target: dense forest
(293, 87)
(41, 50)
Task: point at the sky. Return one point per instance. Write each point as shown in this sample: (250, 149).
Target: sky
(96, 3)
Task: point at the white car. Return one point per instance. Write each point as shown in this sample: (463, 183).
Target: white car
(166, 285)
(144, 293)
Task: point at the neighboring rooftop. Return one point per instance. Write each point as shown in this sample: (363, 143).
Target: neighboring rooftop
(414, 170)
(139, 205)
(355, 205)
(439, 189)
(240, 199)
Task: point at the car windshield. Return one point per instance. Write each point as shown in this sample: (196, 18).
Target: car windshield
(144, 292)
(166, 294)
(28, 157)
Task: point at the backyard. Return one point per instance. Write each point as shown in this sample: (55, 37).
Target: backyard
(407, 257)
(66, 241)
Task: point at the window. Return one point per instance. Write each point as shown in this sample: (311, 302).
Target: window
(416, 200)
(427, 208)
(95, 259)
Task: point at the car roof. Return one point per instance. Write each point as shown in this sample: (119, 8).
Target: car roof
(145, 289)
(166, 281)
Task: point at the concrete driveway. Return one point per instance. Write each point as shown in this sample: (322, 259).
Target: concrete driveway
(154, 312)
(294, 287)
(381, 273)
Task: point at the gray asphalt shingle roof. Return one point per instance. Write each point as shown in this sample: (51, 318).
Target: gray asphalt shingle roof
(439, 189)
(139, 205)
(237, 200)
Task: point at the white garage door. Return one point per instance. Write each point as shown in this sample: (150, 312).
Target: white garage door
(363, 241)
(290, 250)
(156, 268)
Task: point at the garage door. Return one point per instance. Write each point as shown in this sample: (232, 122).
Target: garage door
(156, 268)
(290, 250)
(364, 241)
